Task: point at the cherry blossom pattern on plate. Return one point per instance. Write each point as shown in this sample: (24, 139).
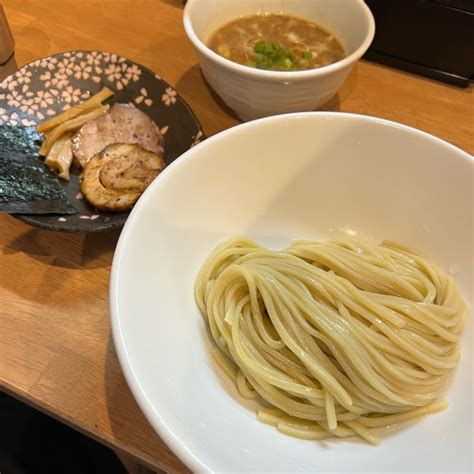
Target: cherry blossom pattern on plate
(24, 76)
(27, 122)
(30, 108)
(66, 66)
(12, 85)
(143, 97)
(119, 72)
(197, 138)
(44, 99)
(116, 74)
(55, 79)
(14, 119)
(83, 70)
(50, 85)
(4, 116)
(14, 99)
(169, 97)
(47, 63)
(65, 81)
(71, 96)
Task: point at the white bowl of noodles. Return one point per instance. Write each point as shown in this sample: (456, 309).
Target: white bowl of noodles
(316, 176)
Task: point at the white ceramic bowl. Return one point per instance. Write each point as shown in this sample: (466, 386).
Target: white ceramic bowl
(311, 175)
(254, 93)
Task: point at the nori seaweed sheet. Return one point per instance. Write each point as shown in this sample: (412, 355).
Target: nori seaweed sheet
(27, 186)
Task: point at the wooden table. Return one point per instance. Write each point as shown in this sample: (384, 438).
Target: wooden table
(56, 351)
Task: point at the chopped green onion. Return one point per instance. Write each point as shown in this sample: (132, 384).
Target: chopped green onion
(261, 62)
(273, 56)
(287, 63)
(260, 47)
(307, 55)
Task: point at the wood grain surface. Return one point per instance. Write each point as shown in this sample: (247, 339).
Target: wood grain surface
(56, 351)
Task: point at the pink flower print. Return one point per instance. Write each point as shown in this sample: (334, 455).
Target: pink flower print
(3, 116)
(27, 123)
(23, 77)
(82, 70)
(60, 80)
(46, 78)
(197, 139)
(14, 99)
(7, 80)
(13, 119)
(43, 99)
(12, 85)
(115, 73)
(133, 73)
(169, 97)
(35, 63)
(71, 95)
(94, 58)
(44, 62)
(50, 63)
(143, 98)
(29, 107)
(66, 67)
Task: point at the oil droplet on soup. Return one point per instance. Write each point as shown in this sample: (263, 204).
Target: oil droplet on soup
(276, 42)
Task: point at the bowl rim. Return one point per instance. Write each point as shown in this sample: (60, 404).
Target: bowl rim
(177, 445)
(279, 75)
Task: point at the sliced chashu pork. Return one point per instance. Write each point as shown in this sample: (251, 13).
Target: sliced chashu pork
(123, 124)
(114, 179)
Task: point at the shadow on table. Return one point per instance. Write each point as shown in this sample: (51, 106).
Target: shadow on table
(189, 83)
(87, 251)
(128, 423)
(174, 3)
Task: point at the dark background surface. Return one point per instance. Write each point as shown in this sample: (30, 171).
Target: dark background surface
(31, 442)
(433, 38)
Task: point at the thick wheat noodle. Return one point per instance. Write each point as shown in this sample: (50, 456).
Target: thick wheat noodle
(339, 337)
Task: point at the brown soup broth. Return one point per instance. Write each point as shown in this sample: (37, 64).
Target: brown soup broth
(277, 42)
